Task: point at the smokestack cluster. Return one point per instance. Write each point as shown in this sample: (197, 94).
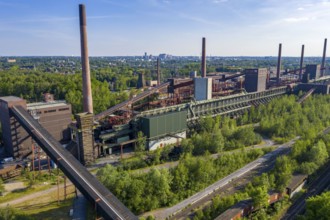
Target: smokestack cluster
(323, 58)
(279, 63)
(203, 59)
(158, 71)
(301, 61)
(87, 89)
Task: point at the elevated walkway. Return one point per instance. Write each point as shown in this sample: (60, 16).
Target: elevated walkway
(105, 203)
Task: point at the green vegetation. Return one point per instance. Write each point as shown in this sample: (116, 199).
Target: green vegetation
(2, 187)
(9, 213)
(284, 119)
(34, 183)
(31, 85)
(217, 134)
(219, 205)
(317, 207)
(142, 192)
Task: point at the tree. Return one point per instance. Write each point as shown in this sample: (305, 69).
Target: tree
(318, 207)
(259, 197)
(141, 142)
(283, 172)
(319, 153)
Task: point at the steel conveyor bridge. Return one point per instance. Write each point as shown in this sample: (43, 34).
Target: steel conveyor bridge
(131, 101)
(228, 105)
(105, 203)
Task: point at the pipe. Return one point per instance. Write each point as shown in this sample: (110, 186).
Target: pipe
(158, 71)
(301, 61)
(323, 58)
(203, 59)
(87, 90)
(279, 63)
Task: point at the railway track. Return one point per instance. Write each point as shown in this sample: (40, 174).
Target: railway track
(321, 183)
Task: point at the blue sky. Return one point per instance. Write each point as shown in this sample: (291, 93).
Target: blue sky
(132, 27)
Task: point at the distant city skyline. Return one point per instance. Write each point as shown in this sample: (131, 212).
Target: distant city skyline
(176, 27)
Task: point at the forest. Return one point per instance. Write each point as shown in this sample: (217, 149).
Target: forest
(30, 85)
(157, 188)
(283, 119)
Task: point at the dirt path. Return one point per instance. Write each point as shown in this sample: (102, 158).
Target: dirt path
(32, 196)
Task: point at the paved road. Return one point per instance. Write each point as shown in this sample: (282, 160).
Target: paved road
(175, 210)
(321, 183)
(79, 207)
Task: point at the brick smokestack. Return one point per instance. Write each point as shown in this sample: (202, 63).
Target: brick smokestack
(87, 89)
(301, 61)
(158, 71)
(203, 59)
(323, 58)
(279, 64)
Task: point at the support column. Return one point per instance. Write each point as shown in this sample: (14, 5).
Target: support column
(85, 138)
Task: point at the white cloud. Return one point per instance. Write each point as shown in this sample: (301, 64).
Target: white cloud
(293, 19)
(219, 1)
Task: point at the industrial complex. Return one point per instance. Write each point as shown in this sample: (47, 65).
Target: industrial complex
(164, 121)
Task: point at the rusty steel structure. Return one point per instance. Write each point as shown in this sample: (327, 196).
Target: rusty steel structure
(203, 58)
(87, 88)
(278, 71)
(301, 61)
(323, 58)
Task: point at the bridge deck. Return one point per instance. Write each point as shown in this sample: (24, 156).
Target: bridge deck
(130, 101)
(105, 202)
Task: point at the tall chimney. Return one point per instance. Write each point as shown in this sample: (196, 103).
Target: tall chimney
(323, 58)
(87, 90)
(203, 59)
(301, 61)
(279, 63)
(158, 71)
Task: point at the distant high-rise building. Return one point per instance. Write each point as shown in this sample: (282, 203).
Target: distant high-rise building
(164, 56)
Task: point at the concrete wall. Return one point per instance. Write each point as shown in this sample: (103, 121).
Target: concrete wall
(16, 140)
(203, 88)
(162, 142)
(313, 70)
(55, 119)
(299, 188)
(255, 80)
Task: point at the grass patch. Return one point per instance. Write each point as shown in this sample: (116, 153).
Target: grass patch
(51, 211)
(47, 206)
(23, 192)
